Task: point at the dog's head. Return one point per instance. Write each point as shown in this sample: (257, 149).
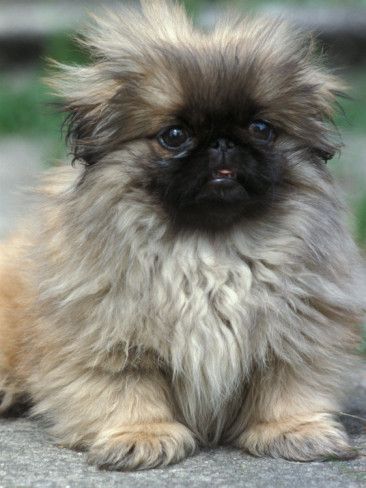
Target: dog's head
(215, 124)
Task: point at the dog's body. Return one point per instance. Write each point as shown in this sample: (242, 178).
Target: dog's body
(137, 335)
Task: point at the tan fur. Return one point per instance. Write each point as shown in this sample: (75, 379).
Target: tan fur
(136, 343)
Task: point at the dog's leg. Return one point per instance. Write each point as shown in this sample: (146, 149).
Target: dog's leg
(13, 299)
(288, 415)
(124, 420)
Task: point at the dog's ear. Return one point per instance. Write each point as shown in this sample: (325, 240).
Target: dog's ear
(99, 99)
(317, 106)
(295, 91)
(327, 90)
(86, 93)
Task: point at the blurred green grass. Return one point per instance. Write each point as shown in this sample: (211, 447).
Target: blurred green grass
(24, 108)
(26, 104)
(352, 115)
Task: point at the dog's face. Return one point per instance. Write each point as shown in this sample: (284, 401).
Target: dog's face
(222, 118)
(215, 161)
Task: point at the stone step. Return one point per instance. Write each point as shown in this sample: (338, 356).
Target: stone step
(25, 25)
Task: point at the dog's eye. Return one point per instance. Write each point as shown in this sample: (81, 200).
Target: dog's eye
(174, 137)
(261, 131)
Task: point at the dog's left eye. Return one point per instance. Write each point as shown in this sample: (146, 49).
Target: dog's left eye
(173, 137)
(261, 131)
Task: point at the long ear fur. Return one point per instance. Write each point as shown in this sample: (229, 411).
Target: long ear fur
(328, 89)
(118, 44)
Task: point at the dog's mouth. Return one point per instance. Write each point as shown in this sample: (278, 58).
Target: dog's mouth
(223, 187)
(221, 197)
(223, 175)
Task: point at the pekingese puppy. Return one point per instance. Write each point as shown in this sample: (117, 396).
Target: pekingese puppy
(192, 283)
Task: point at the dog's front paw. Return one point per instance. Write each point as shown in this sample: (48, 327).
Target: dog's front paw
(317, 437)
(142, 446)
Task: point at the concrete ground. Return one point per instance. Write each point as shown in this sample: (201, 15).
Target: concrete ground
(29, 459)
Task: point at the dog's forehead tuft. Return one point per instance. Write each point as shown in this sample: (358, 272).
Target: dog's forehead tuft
(237, 78)
(210, 82)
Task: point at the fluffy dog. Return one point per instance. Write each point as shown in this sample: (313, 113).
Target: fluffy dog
(192, 282)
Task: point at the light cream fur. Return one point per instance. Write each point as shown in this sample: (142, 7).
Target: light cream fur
(136, 343)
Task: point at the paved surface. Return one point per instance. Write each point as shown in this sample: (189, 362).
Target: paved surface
(29, 459)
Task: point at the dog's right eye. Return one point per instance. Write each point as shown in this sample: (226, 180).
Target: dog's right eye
(173, 137)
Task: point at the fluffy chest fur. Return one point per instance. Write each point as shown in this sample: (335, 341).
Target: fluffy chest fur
(211, 308)
(201, 317)
(193, 305)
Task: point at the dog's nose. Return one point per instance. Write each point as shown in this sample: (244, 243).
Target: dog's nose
(222, 144)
